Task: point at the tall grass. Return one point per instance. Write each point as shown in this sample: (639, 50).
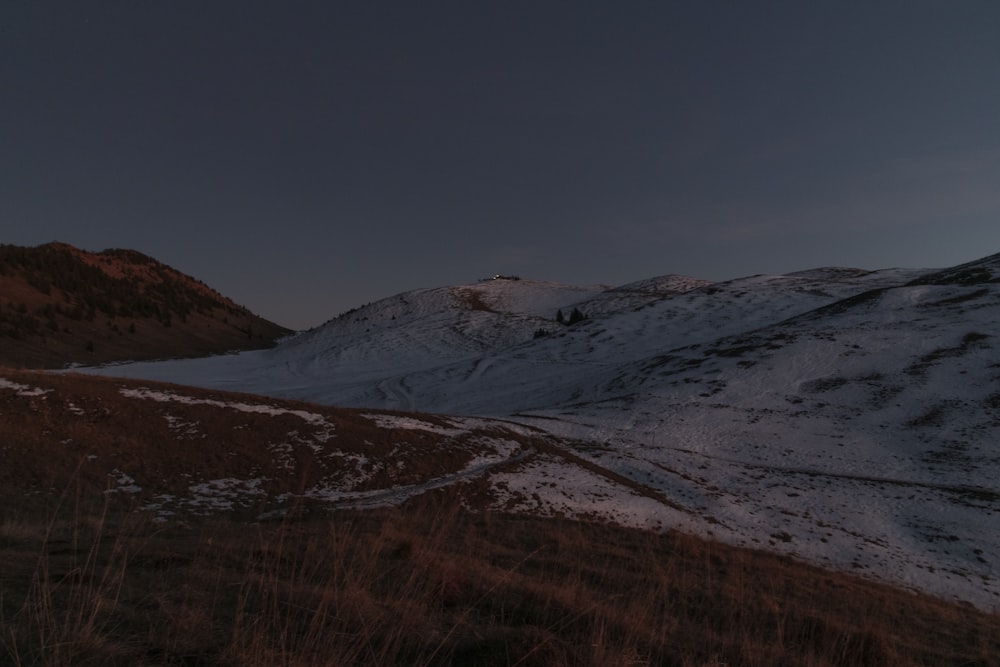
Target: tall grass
(431, 584)
(70, 597)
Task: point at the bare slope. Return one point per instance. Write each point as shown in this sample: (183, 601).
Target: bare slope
(60, 305)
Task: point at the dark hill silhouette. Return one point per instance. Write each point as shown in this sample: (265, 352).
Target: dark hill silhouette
(60, 305)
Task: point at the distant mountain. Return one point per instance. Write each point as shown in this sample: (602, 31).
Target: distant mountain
(847, 416)
(60, 305)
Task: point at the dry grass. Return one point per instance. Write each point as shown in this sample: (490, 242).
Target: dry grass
(431, 584)
(85, 580)
(82, 434)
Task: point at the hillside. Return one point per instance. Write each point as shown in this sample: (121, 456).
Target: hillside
(842, 415)
(424, 328)
(179, 451)
(148, 524)
(60, 305)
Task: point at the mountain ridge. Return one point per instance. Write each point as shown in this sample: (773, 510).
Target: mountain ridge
(61, 305)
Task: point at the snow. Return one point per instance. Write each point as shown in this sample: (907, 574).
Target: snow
(550, 487)
(312, 418)
(207, 497)
(335, 495)
(848, 417)
(23, 389)
(184, 429)
(412, 424)
(123, 483)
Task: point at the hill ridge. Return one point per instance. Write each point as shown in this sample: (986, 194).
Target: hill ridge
(61, 305)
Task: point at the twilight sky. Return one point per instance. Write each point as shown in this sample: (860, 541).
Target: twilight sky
(306, 157)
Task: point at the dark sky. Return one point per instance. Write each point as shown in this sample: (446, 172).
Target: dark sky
(308, 157)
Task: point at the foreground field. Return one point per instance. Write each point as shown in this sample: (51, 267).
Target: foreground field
(428, 583)
(145, 524)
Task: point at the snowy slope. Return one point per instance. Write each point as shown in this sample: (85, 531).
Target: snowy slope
(359, 357)
(864, 434)
(846, 416)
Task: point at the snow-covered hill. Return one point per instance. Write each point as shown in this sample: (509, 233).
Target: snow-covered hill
(846, 416)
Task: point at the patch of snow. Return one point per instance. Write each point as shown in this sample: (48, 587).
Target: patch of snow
(223, 494)
(411, 424)
(184, 429)
(23, 389)
(312, 418)
(551, 487)
(123, 483)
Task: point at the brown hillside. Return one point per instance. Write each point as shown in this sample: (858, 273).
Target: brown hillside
(147, 524)
(60, 305)
(211, 452)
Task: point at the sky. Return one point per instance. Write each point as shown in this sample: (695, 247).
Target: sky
(307, 157)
